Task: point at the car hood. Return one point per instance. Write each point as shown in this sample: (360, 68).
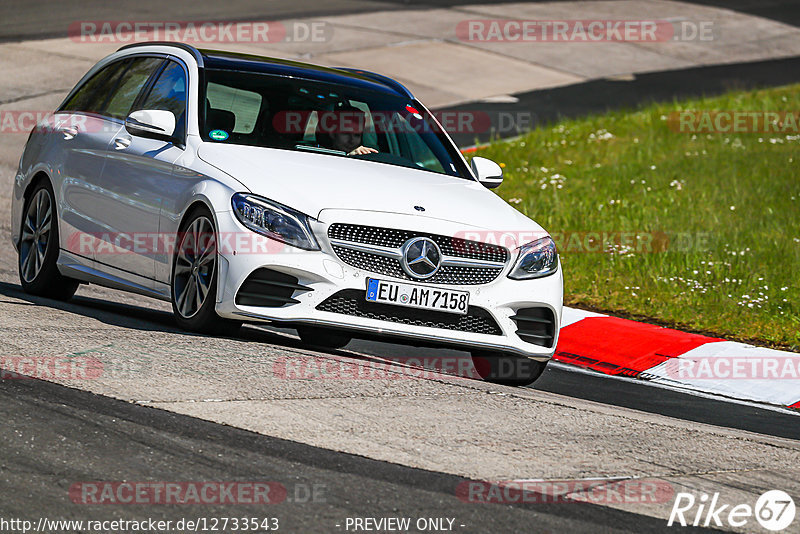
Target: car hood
(311, 182)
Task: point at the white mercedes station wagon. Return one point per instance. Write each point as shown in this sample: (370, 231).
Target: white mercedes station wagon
(249, 189)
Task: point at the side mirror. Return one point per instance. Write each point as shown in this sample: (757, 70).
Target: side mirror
(151, 123)
(487, 171)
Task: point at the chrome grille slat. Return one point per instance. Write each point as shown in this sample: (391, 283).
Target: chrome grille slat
(390, 237)
(377, 250)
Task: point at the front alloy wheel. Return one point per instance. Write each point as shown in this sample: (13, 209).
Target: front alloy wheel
(38, 248)
(194, 277)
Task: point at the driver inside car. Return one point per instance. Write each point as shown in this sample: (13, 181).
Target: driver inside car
(342, 129)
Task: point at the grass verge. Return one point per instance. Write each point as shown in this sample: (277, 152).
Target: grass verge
(720, 212)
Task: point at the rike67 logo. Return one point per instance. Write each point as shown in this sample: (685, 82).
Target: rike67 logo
(774, 510)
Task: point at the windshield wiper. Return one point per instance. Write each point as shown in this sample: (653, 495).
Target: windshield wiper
(320, 149)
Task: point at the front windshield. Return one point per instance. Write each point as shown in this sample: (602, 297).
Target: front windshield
(265, 110)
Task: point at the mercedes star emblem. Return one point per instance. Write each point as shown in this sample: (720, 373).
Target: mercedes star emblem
(421, 258)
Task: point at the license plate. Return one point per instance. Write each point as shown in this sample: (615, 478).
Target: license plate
(416, 296)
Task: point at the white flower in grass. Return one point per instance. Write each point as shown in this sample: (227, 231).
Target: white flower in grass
(601, 135)
(676, 184)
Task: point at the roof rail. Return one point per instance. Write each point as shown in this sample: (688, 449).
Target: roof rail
(385, 80)
(188, 48)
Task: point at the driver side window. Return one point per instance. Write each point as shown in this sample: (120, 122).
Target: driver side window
(169, 94)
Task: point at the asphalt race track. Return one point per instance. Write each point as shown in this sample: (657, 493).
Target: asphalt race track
(80, 436)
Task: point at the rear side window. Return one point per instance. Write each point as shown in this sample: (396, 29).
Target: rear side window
(129, 86)
(92, 94)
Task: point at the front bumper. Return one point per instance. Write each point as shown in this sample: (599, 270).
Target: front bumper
(326, 275)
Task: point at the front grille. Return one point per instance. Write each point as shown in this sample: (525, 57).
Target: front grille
(536, 325)
(269, 289)
(371, 262)
(452, 247)
(352, 302)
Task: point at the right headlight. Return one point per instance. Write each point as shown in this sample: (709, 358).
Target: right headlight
(536, 259)
(274, 220)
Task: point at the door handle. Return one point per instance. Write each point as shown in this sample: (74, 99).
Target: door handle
(121, 143)
(69, 132)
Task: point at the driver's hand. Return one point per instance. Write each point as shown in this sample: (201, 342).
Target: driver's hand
(360, 151)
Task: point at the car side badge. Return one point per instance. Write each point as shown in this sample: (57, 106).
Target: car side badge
(218, 135)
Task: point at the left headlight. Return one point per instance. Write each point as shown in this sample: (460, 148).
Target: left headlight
(536, 259)
(274, 220)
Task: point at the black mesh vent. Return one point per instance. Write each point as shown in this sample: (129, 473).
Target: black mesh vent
(536, 325)
(269, 289)
(352, 302)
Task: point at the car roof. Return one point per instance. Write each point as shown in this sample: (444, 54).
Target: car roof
(224, 60)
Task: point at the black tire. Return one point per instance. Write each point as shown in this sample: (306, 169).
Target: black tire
(39, 247)
(323, 337)
(194, 275)
(507, 369)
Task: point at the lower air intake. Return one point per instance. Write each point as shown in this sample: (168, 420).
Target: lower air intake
(269, 289)
(352, 302)
(536, 325)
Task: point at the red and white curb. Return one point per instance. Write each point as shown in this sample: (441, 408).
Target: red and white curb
(631, 349)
